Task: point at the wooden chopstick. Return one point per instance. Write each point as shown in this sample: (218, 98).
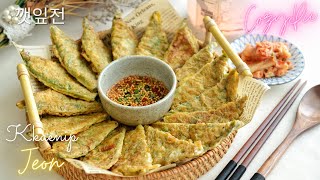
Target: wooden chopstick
(242, 168)
(233, 163)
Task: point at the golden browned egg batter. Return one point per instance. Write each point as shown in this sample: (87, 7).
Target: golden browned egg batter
(137, 91)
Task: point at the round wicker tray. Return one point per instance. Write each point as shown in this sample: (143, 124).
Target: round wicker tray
(189, 170)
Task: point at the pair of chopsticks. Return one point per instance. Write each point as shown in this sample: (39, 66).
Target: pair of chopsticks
(259, 137)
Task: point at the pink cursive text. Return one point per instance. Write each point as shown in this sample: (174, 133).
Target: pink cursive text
(300, 14)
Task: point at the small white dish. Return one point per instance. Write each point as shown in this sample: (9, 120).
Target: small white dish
(297, 58)
(142, 66)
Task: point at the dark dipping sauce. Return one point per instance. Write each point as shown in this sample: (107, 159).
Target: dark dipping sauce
(137, 91)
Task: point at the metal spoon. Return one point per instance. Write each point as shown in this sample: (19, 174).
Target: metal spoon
(308, 115)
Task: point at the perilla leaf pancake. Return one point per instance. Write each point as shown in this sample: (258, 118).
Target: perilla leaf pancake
(94, 49)
(108, 152)
(230, 110)
(196, 62)
(135, 157)
(183, 46)
(123, 40)
(154, 41)
(209, 134)
(178, 130)
(232, 85)
(71, 59)
(54, 103)
(53, 75)
(224, 92)
(166, 149)
(211, 74)
(211, 98)
(87, 140)
(60, 126)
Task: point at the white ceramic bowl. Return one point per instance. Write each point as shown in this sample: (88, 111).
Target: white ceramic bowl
(142, 66)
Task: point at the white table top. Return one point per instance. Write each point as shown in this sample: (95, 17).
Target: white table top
(301, 161)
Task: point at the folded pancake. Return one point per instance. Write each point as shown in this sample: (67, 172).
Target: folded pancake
(55, 54)
(53, 103)
(87, 140)
(228, 111)
(202, 102)
(53, 75)
(232, 85)
(135, 157)
(123, 40)
(60, 126)
(211, 98)
(209, 134)
(196, 62)
(154, 41)
(108, 152)
(225, 91)
(94, 49)
(198, 82)
(68, 53)
(178, 130)
(166, 149)
(183, 46)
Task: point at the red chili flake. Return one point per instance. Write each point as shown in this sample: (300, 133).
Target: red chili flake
(106, 148)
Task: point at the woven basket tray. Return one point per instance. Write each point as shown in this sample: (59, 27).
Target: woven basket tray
(190, 170)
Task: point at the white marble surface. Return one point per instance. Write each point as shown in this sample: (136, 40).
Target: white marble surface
(301, 161)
